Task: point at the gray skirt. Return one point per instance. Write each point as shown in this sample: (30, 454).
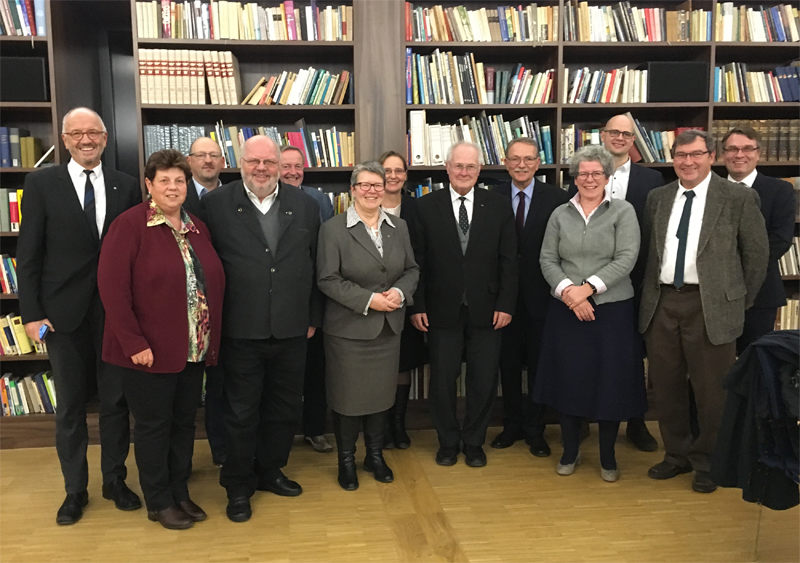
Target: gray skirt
(361, 375)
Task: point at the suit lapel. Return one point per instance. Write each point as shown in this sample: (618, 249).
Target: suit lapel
(535, 212)
(448, 219)
(112, 199)
(715, 201)
(286, 211)
(663, 212)
(245, 211)
(478, 217)
(359, 232)
(73, 205)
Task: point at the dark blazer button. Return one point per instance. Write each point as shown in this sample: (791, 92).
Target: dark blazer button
(383, 270)
(383, 285)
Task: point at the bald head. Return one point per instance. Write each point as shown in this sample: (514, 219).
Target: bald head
(260, 165)
(206, 161)
(618, 137)
(84, 136)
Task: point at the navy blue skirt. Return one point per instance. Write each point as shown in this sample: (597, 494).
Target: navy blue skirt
(594, 368)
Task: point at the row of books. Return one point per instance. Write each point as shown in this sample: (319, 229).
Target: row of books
(789, 263)
(429, 143)
(23, 17)
(734, 83)
(777, 23)
(18, 148)
(780, 138)
(179, 76)
(8, 275)
(308, 86)
(650, 146)
(221, 19)
(621, 22)
(501, 24)
(10, 210)
(14, 341)
(32, 394)
(788, 317)
(620, 85)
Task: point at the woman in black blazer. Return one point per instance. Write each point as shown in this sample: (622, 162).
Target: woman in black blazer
(413, 354)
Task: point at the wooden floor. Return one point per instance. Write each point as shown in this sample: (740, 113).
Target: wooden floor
(514, 509)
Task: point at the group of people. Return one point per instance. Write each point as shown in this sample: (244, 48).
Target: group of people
(289, 310)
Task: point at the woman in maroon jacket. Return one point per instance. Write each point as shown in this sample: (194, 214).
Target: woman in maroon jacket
(162, 285)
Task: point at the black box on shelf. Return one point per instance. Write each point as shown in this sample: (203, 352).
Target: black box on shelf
(677, 81)
(23, 79)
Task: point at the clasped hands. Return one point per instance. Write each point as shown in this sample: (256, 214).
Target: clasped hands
(577, 299)
(386, 301)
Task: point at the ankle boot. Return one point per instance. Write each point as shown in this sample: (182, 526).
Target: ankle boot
(373, 438)
(397, 417)
(345, 429)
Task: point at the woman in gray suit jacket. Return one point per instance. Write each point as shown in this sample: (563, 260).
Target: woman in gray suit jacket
(366, 268)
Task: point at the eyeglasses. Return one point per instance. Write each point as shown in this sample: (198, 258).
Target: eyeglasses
(613, 133)
(514, 160)
(736, 150)
(78, 135)
(395, 171)
(253, 162)
(690, 155)
(204, 155)
(365, 186)
(469, 168)
(593, 175)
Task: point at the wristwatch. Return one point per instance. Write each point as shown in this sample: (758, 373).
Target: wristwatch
(590, 284)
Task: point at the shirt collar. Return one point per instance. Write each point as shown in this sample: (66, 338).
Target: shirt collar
(200, 188)
(353, 218)
(254, 198)
(156, 217)
(76, 169)
(700, 189)
(576, 199)
(747, 180)
(626, 168)
(469, 196)
(528, 191)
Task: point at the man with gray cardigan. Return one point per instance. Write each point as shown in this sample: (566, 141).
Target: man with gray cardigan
(706, 257)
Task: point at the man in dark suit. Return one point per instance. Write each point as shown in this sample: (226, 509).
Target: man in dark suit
(532, 202)
(265, 233)
(706, 257)
(67, 212)
(742, 148)
(314, 403)
(466, 247)
(206, 161)
(632, 183)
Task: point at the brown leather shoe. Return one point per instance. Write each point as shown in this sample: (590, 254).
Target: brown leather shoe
(172, 518)
(192, 510)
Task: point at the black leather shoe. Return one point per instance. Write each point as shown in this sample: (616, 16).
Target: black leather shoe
(172, 518)
(539, 446)
(475, 456)
(238, 509)
(71, 509)
(506, 439)
(348, 476)
(218, 460)
(280, 485)
(702, 482)
(666, 470)
(640, 436)
(123, 497)
(447, 456)
(375, 464)
(194, 512)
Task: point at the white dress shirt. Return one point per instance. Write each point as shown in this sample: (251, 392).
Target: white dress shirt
(618, 183)
(98, 181)
(747, 180)
(695, 224)
(262, 206)
(469, 200)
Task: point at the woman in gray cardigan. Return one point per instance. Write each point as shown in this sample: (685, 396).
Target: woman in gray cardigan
(591, 360)
(366, 268)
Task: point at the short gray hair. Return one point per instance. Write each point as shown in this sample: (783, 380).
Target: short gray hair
(449, 155)
(592, 153)
(369, 166)
(77, 110)
(523, 141)
(689, 136)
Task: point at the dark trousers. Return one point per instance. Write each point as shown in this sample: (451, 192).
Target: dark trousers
(677, 345)
(521, 341)
(214, 407)
(314, 403)
(757, 323)
(164, 406)
(77, 371)
(263, 407)
(447, 346)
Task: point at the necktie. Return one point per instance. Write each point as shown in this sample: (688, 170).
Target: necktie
(88, 204)
(463, 220)
(520, 214)
(682, 234)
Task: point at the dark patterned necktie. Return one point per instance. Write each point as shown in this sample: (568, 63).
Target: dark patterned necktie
(463, 219)
(520, 214)
(683, 235)
(88, 204)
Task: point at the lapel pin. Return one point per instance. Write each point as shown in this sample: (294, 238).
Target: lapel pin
(239, 210)
(115, 187)
(288, 212)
